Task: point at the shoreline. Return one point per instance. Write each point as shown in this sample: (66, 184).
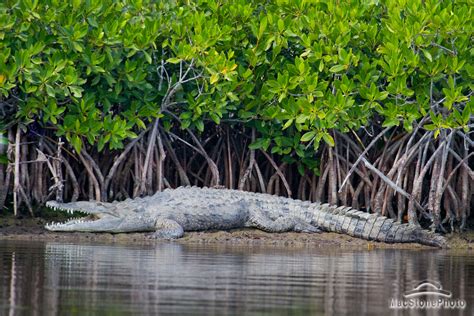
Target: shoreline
(33, 229)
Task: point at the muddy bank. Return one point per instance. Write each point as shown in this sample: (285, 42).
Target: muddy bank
(33, 229)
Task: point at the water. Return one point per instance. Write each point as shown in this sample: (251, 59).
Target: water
(49, 278)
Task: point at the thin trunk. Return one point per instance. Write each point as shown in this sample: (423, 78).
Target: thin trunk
(417, 184)
(261, 181)
(230, 169)
(99, 179)
(59, 173)
(466, 191)
(120, 159)
(179, 168)
(94, 186)
(279, 172)
(161, 160)
(16, 172)
(332, 194)
(249, 169)
(144, 178)
(319, 192)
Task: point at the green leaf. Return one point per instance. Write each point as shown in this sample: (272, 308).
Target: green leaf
(300, 119)
(76, 143)
(92, 21)
(328, 139)
(263, 26)
(318, 94)
(101, 144)
(300, 151)
(321, 65)
(232, 96)
(262, 143)
(215, 118)
(308, 136)
(76, 91)
(427, 55)
(173, 60)
(390, 122)
(257, 144)
(287, 124)
(466, 113)
(337, 68)
(78, 47)
(147, 57)
(50, 91)
(140, 123)
(214, 78)
(281, 97)
(382, 96)
(199, 125)
(430, 127)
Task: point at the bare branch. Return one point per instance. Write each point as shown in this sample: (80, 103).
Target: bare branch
(282, 176)
(361, 156)
(392, 184)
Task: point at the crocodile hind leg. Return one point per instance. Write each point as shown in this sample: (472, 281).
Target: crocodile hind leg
(167, 229)
(281, 224)
(303, 227)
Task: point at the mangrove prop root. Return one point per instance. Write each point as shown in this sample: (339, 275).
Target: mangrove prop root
(409, 177)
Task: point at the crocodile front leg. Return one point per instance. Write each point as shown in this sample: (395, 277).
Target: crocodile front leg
(167, 229)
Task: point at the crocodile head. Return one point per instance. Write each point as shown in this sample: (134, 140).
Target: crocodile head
(101, 217)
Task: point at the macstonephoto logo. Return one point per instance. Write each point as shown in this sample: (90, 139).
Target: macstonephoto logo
(427, 295)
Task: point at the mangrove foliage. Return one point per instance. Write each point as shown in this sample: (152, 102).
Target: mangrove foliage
(363, 103)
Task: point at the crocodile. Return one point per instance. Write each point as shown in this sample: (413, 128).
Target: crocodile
(169, 213)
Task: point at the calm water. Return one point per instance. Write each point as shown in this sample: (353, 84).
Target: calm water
(38, 278)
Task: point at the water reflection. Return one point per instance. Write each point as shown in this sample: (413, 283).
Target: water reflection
(65, 279)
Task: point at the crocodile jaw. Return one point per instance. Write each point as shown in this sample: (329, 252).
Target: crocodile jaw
(82, 206)
(91, 224)
(77, 224)
(94, 222)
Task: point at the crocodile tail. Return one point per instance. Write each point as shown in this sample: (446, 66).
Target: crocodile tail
(429, 238)
(391, 231)
(373, 227)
